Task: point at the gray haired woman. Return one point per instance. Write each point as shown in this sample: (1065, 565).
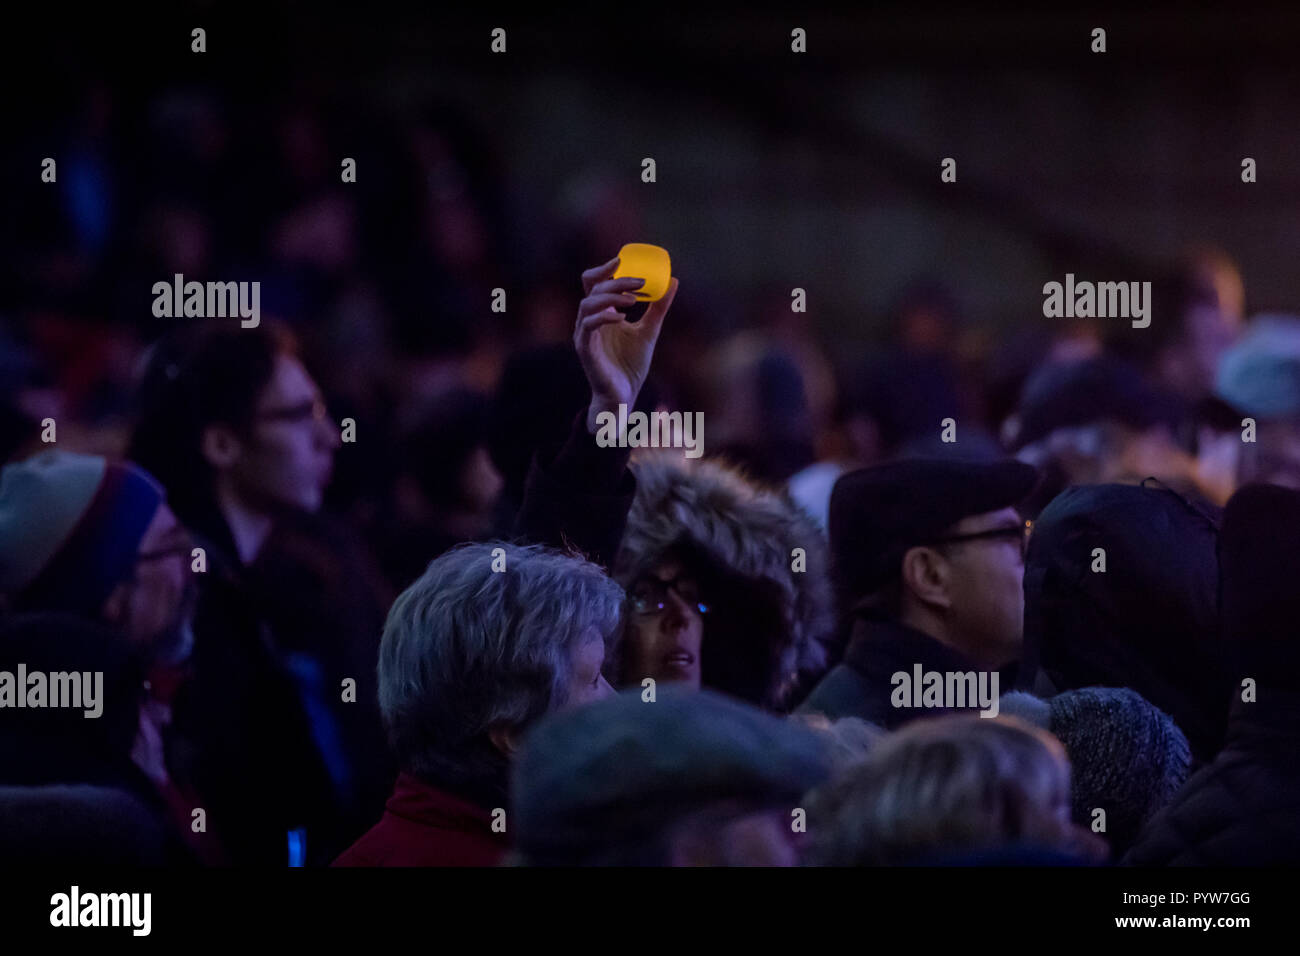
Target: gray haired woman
(489, 639)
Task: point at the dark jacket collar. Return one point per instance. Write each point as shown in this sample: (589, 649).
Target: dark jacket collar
(879, 648)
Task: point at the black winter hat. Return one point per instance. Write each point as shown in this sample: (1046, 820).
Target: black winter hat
(877, 513)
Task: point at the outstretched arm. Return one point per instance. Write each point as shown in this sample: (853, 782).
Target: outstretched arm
(579, 497)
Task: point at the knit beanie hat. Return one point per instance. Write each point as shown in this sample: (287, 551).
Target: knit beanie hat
(1128, 756)
(70, 527)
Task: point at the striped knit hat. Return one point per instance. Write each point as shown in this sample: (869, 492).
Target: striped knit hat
(70, 527)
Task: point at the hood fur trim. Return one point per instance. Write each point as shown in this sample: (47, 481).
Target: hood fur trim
(744, 527)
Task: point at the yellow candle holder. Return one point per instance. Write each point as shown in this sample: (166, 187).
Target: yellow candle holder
(643, 261)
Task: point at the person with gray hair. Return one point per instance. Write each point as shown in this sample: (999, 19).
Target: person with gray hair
(956, 789)
(490, 638)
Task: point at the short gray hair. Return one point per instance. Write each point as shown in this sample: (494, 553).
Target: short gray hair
(468, 647)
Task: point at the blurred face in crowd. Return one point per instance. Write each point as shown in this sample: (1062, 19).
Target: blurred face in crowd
(925, 330)
(665, 626)
(1273, 458)
(480, 482)
(1211, 331)
(153, 608)
(287, 455)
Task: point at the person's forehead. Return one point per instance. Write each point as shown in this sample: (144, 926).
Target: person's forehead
(289, 381)
(1003, 517)
(669, 568)
(163, 524)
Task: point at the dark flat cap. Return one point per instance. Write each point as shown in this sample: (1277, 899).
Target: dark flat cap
(877, 513)
(622, 770)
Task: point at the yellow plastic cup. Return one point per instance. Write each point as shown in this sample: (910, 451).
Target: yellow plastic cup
(643, 261)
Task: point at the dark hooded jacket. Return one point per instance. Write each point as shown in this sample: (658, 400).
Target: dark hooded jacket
(1244, 808)
(577, 496)
(1148, 621)
(262, 725)
(766, 634)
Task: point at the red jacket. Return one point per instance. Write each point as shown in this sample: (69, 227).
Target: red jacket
(425, 826)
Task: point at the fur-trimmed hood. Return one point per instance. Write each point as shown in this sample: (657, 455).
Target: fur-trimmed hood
(745, 533)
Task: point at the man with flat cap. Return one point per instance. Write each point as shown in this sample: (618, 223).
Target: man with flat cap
(929, 560)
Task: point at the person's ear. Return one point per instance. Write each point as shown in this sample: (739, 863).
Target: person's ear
(220, 447)
(505, 739)
(115, 606)
(927, 575)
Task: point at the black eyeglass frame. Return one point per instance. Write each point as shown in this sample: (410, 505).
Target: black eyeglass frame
(314, 410)
(1019, 531)
(664, 587)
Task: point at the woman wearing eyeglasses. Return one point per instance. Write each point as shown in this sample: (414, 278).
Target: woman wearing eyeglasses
(726, 584)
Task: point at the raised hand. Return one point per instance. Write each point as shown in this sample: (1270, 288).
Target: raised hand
(615, 353)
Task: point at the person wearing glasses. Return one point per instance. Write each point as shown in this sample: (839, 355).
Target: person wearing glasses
(237, 431)
(82, 535)
(291, 601)
(929, 560)
(85, 541)
(727, 584)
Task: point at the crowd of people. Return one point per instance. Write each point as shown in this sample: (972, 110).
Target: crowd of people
(905, 610)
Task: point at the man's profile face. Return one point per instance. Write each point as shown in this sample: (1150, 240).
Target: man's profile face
(288, 456)
(987, 585)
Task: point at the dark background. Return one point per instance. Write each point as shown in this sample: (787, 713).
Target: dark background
(775, 170)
